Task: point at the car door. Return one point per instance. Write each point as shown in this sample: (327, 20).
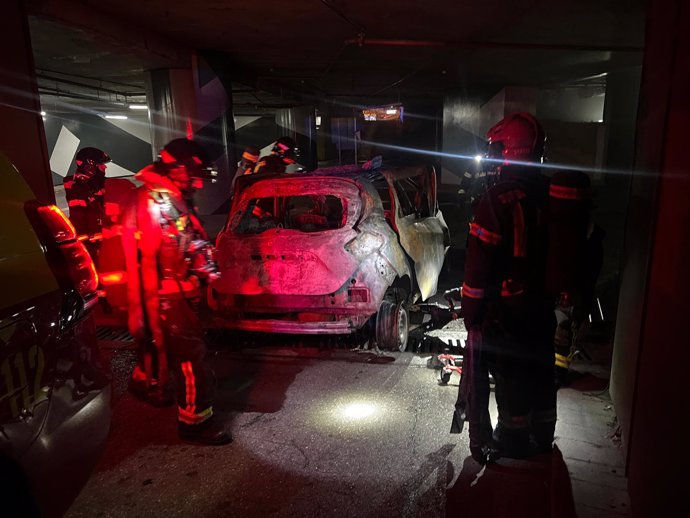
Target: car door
(422, 231)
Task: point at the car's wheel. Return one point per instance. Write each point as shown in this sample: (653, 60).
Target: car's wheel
(392, 326)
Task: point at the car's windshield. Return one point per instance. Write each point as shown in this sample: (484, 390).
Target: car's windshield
(306, 213)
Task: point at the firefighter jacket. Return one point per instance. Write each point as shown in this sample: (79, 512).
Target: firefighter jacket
(86, 204)
(506, 253)
(165, 250)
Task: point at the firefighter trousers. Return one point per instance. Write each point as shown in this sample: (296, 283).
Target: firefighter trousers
(525, 391)
(186, 352)
(474, 390)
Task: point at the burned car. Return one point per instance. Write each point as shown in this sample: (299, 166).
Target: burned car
(328, 251)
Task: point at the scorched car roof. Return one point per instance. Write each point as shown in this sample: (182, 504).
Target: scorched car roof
(350, 171)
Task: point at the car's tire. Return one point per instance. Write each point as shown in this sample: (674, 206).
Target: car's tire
(392, 326)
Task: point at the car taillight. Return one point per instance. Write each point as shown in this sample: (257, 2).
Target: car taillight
(80, 266)
(60, 227)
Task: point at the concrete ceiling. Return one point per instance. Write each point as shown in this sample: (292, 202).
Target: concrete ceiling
(344, 48)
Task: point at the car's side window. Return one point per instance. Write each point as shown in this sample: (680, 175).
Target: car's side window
(306, 213)
(406, 207)
(413, 196)
(381, 186)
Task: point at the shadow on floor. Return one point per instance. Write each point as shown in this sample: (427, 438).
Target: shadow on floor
(532, 488)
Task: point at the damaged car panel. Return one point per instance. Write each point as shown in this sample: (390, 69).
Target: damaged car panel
(423, 231)
(319, 252)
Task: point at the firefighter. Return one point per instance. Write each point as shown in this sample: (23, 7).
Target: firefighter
(168, 254)
(574, 307)
(250, 157)
(507, 310)
(84, 192)
(283, 154)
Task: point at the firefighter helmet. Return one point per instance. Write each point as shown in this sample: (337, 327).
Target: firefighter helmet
(88, 159)
(517, 138)
(188, 153)
(285, 148)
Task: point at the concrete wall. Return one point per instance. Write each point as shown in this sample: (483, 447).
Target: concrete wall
(126, 141)
(651, 354)
(21, 132)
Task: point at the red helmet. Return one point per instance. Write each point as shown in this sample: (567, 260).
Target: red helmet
(518, 137)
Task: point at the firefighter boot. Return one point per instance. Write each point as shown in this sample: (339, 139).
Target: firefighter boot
(512, 443)
(138, 383)
(542, 437)
(480, 442)
(159, 395)
(210, 432)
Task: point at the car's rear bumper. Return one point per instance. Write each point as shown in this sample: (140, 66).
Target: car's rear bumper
(343, 312)
(342, 327)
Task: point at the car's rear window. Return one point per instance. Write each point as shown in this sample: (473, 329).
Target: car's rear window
(306, 213)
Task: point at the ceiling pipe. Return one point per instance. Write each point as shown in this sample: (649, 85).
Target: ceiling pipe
(86, 86)
(88, 78)
(362, 41)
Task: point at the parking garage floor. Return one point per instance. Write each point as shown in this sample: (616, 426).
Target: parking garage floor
(339, 432)
(348, 432)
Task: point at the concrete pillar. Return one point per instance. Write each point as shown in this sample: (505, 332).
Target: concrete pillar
(171, 99)
(22, 138)
(466, 121)
(300, 124)
(215, 127)
(613, 192)
(651, 353)
(196, 103)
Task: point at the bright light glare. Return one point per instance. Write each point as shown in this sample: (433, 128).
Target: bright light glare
(318, 120)
(119, 117)
(138, 107)
(43, 114)
(358, 410)
(391, 111)
(477, 158)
